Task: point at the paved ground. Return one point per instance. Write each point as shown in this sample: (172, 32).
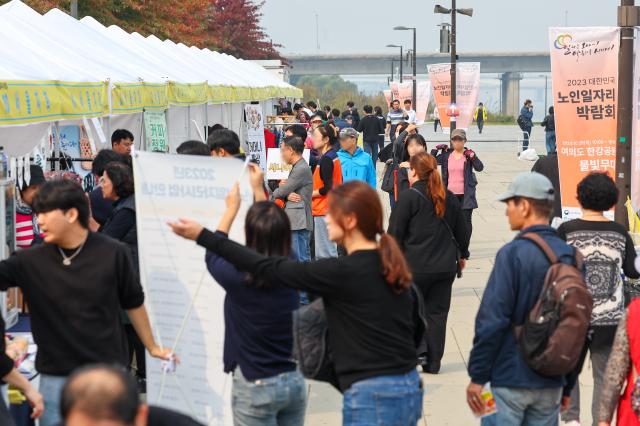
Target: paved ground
(445, 402)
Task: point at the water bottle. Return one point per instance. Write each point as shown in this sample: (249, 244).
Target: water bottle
(4, 164)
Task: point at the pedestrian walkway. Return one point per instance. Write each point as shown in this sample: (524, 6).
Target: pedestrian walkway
(445, 397)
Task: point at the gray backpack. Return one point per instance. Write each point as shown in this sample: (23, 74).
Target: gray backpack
(311, 348)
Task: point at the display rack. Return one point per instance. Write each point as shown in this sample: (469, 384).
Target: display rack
(9, 299)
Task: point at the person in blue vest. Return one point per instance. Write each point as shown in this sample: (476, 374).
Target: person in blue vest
(355, 163)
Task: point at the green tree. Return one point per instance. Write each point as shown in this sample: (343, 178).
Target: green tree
(334, 91)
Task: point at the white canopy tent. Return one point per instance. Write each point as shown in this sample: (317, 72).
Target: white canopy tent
(57, 56)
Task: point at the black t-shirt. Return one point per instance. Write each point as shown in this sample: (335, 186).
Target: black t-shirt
(75, 315)
(371, 127)
(371, 328)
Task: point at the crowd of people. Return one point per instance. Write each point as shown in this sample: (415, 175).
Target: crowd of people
(319, 236)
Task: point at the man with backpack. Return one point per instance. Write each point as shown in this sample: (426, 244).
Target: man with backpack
(530, 376)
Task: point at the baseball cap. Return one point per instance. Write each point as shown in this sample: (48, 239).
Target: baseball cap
(348, 132)
(37, 176)
(458, 133)
(529, 185)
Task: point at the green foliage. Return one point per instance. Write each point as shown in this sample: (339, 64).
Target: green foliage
(334, 91)
(500, 118)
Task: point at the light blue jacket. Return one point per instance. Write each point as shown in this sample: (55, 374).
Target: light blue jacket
(358, 166)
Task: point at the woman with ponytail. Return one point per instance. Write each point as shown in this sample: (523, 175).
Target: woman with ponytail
(429, 226)
(367, 299)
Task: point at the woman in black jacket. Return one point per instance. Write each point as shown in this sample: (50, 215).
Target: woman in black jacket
(117, 186)
(458, 166)
(413, 145)
(367, 299)
(430, 228)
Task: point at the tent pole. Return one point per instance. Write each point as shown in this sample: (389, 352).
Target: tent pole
(56, 146)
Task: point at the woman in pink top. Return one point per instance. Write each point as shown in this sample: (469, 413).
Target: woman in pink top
(458, 166)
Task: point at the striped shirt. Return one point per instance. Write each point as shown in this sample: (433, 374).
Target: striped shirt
(395, 116)
(24, 230)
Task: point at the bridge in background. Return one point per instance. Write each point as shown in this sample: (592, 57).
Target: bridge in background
(510, 65)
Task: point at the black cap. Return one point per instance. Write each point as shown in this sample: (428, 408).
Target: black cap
(37, 176)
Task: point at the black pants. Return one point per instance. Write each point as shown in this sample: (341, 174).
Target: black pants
(380, 145)
(480, 125)
(436, 290)
(435, 125)
(136, 346)
(467, 213)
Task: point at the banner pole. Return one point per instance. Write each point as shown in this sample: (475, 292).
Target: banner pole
(452, 125)
(627, 20)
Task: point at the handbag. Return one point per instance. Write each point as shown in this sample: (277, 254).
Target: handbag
(311, 347)
(389, 177)
(453, 239)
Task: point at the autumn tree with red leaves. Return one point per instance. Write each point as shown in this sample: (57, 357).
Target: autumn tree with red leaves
(229, 26)
(233, 26)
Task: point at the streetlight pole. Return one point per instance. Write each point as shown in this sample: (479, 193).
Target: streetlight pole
(393, 68)
(546, 79)
(627, 20)
(73, 8)
(401, 57)
(401, 61)
(415, 81)
(454, 58)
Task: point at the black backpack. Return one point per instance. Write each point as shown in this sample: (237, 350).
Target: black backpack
(311, 348)
(553, 334)
(522, 122)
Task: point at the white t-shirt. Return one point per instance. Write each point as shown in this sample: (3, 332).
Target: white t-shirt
(412, 116)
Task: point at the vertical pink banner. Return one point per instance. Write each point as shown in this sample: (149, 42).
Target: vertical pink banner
(387, 96)
(467, 88)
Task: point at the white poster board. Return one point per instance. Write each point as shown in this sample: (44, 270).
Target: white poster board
(278, 169)
(184, 302)
(255, 134)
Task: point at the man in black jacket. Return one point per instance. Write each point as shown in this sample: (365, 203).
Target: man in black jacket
(353, 112)
(371, 129)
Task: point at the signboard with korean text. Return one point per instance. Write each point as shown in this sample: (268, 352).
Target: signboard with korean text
(278, 169)
(185, 304)
(155, 131)
(467, 88)
(584, 71)
(254, 122)
(635, 154)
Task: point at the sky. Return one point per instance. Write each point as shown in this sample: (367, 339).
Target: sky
(366, 26)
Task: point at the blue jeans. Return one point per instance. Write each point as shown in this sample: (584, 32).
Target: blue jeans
(300, 244)
(51, 388)
(525, 407)
(550, 139)
(275, 401)
(384, 400)
(371, 148)
(325, 248)
(526, 133)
